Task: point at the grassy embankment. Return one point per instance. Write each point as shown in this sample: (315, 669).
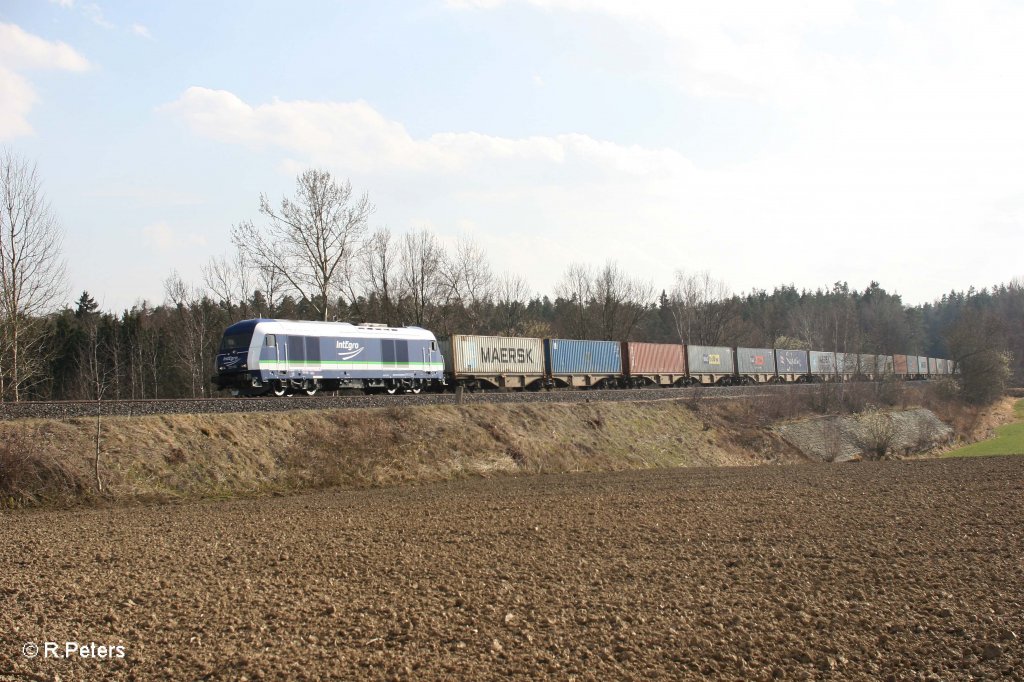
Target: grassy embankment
(223, 455)
(1009, 439)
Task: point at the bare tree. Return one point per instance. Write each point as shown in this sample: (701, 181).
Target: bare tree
(192, 331)
(421, 258)
(470, 283)
(312, 239)
(511, 295)
(605, 302)
(229, 280)
(32, 278)
(98, 377)
(621, 301)
(700, 308)
(575, 289)
(379, 276)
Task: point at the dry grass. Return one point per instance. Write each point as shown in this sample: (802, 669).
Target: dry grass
(173, 456)
(30, 474)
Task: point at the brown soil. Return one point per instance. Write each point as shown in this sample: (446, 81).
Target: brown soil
(869, 570)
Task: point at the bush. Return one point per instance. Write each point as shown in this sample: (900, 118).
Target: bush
(28, 477)
(984, 376)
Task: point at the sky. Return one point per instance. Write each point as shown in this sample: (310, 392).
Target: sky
(798, 143)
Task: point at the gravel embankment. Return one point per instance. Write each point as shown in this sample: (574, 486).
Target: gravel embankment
(72, 409)
(898, 570)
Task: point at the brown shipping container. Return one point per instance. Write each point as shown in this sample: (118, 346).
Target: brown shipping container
(654, 358)
(900, 363)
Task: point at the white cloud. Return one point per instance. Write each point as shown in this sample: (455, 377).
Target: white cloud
(141, 30)
(21, 51)
(902, 137)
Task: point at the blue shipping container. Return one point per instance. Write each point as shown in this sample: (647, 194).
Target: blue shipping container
(570, 356)
(791, 361)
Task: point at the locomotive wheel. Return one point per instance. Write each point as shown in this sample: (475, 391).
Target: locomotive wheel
(278, 389)
(391, 389)
(311, 391)
(415, 388)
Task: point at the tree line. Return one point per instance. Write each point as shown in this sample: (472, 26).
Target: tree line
(314, 256)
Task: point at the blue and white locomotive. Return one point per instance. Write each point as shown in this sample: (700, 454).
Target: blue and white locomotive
(289, 356)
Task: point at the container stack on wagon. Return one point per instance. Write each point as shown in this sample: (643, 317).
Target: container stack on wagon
(710, 364)
(583, 364)
(657, 364)
(792, 365)
(494, 361)
(756, 365)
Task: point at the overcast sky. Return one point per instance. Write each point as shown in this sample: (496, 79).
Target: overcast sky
(766, 142)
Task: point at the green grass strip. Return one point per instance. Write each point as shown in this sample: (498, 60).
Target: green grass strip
(1009, 439)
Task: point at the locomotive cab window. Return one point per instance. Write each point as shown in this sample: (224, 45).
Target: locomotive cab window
(433, 345)
(232, 342)
(270, 340)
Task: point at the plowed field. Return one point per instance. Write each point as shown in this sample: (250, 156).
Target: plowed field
(843, 571)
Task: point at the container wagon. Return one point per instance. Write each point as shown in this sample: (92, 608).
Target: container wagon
(756, 366)
(653, 364)
(506, 362)
(710, 365)
(583, 364)
(823, 365)
(791, 365)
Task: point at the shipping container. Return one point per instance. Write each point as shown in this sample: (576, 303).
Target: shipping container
(867, 365)
(899, 364)
(911, 365)
(498, 361)
(659, 363)
(884, 364)
(752, 361)
(922, 364)
(822, 362)
(791, 364)
(712, 360)
(933, 368)
(846, 363)
(583, 363)
(950, 366)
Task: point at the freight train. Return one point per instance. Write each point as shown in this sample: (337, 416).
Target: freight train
(282, 357)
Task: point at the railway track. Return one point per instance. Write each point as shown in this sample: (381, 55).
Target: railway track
(129, 408)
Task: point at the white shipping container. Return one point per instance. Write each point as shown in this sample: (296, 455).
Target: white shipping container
(491, 355)
(822, 362)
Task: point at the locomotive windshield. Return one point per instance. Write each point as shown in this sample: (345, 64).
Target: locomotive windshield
(232, 342)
